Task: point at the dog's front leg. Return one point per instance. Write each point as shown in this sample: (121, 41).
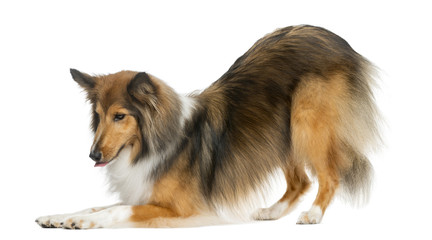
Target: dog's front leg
(122, 216)
(115, 216)
(57, 221)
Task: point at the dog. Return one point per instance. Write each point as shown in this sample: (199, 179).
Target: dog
(299, 101)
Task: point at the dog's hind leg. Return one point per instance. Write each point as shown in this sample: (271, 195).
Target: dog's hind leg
(297, 184)
(328, 179)
(317, 113)
(316, 146)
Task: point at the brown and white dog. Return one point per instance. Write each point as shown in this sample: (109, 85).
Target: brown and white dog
(299, 99)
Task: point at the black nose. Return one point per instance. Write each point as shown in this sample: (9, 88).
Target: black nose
(95, 155)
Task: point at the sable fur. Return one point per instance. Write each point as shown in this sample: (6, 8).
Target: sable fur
(299, 98)
(241, 131)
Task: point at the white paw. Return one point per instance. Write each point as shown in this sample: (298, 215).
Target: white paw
(274, 212)
(52, 221)
(89, 218)
(102, 219)
(80, 222)
(313, 216)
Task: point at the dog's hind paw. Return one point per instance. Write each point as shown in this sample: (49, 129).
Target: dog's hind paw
(274, 212)
(313, 216)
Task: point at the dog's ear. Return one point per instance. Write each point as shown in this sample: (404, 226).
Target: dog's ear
(84, 80)
(142, 89)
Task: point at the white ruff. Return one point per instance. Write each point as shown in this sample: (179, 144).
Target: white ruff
(133, 183)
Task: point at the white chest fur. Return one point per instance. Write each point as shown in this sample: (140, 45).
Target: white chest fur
(133, 183)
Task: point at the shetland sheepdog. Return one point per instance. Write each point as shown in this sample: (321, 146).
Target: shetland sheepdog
(299, 101)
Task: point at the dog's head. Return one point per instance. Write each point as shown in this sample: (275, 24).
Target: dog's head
(129, 109)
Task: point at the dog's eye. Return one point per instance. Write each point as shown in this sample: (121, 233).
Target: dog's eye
(119, 117)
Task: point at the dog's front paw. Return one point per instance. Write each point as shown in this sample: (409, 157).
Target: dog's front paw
(53, 221)
(79, 222)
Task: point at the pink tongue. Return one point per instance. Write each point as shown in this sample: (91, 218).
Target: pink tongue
(101, 164)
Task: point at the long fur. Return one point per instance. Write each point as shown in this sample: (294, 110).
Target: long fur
(299, 98)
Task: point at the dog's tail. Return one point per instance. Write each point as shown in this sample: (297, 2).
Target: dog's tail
(360, 134)
(356, 181)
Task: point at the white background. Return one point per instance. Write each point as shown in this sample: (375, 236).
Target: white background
(44, 119)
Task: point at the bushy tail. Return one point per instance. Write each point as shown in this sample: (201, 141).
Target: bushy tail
(360, 135)
(356, 181)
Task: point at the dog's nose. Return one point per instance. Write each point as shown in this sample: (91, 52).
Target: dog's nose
(96, 155)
